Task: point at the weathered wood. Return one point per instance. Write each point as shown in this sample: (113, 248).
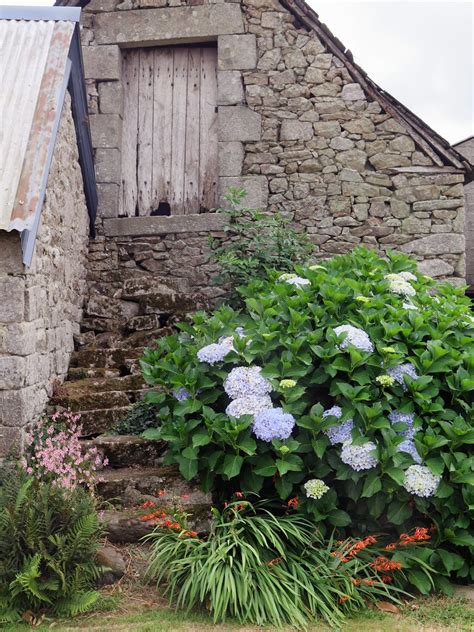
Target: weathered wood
(191, 166)
(145, 132)
(178, 134)
(128, 184)
(208, 130)
(170, 130)
(162, 123)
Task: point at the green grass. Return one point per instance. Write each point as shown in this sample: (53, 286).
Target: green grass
(425, 615)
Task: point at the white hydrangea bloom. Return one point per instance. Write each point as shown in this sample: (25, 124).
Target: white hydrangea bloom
(248, 406)
(420, 481)
(399, 284)
(359, 457)
(355, 336)
(315, 488)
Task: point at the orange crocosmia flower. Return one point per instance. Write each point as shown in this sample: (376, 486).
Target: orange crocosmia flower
(391, 546)
(293, 502)
(161, 493)
(387, 579)
(239, 495)
(381, 563)
(343, 598)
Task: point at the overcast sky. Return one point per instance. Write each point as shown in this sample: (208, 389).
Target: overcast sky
(419, 51)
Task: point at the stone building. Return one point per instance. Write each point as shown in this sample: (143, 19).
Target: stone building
(466, 148)
(189, 97)
(47, 190)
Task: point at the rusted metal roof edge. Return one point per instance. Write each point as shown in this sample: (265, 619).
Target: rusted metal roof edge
(438, 148)
(28, 237)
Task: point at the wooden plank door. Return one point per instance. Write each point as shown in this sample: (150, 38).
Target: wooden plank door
(169, 153)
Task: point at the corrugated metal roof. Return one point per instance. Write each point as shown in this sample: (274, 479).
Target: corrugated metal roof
(33, 60)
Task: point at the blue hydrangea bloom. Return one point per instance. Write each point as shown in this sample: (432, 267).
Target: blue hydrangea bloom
(359, 457)
(356, 337)
(409, 447)
(248, 406)
(340, 433)
(273, 423)
(405, 418)
(398, 373)
(213, 353)
(421, 481)
(181, 394)
(246, 381)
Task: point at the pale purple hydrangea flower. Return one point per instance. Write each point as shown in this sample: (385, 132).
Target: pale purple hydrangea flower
(248, 406)
(246, 381)
(409, 447)
(405, 418)
(355, 336)
(181, 394)
(273, 423)
(398, 372)
(213, 353)
(420, 481)
(359, 457)
(341, 432)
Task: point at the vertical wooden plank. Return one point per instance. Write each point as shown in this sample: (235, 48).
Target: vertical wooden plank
(128, 183)
(178, 134)
(145, 132)
(208, 130)
(191, 167)
(162, 123)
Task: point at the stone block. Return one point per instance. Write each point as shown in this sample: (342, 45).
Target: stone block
(438, 244)
(108, 198)
(387, 161)
(239, 123)
(231, 158)
(230, 90)
(12, 299)
(153, 225)
(352, 159)
(435, 268)
(437, 205)
(12, 372)
(352, 92)
(107, 165)
(110, 97)
(102, 62)
(296, 130)
(236, 52)
(327, 129)
(10, 253)
(11, 441)
(101, 6)
(168, 25)
(19, 407)
(256, 188)
(106, 130)
(18, 338)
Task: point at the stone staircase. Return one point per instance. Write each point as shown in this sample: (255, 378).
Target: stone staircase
(103, 382)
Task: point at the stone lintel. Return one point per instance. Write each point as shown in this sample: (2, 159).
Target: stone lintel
(152, 225)
(144, 27)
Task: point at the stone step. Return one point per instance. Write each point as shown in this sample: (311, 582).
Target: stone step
(127, 450)
(95, 422)
(115, 358)
(85, 401)
(127, 384)
(81, 373)
(163, 486)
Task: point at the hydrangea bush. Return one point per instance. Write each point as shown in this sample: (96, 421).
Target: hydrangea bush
(348, 385)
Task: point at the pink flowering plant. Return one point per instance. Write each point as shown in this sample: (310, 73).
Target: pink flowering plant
(55, 453)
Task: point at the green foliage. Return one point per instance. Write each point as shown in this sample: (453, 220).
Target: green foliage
(48, 540)
(140, 417)
(254, 242)
(260, 569)
(289, 332)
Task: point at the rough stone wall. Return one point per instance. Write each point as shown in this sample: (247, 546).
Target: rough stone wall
(466, 148)
(294, 129)
(41, 306)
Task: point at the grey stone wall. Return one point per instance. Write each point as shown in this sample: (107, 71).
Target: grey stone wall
(466, 148)
(295, 130)
(41, 306)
